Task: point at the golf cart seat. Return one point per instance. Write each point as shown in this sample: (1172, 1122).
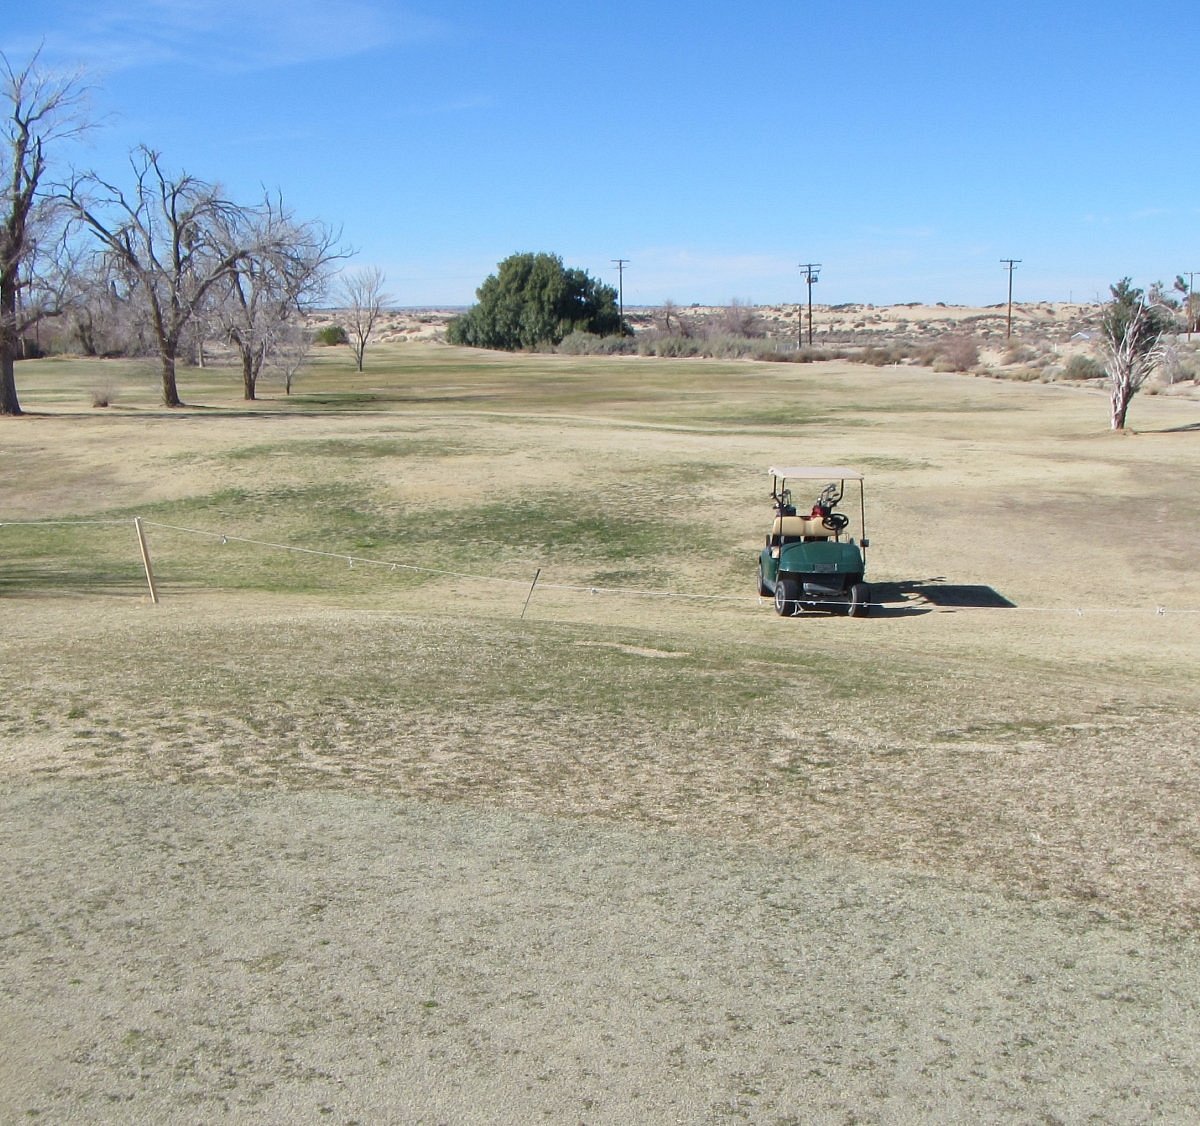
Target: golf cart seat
(796, 529)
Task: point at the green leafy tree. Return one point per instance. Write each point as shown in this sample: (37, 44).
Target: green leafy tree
(533, 300)
(1132, 330)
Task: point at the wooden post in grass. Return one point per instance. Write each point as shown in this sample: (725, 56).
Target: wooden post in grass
(137, 523)
(537, 574)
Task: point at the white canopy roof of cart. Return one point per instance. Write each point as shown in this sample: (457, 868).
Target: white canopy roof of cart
(824, 473)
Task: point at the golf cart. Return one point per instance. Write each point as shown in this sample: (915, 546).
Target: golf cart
(811, 557)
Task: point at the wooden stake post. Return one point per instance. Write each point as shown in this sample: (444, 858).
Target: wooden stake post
(137, 523)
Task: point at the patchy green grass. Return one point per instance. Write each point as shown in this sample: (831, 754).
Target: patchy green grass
(288, 651)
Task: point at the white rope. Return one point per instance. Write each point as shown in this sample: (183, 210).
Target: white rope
(633, 592)
(391, 565)
(55, 523)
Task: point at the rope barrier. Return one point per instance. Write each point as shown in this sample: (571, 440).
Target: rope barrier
(574, 588)
(396, 566)
(56, 523)
(225, 537)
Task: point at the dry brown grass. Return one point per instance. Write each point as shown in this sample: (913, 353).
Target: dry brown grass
(967, 740)
(1039, 758)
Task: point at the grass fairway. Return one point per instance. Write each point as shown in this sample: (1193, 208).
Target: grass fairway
(360, 824)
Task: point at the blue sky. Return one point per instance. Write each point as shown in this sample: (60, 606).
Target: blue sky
(907, 147)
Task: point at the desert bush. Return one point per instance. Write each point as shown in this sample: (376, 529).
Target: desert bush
(589, 344)
(959, 353)
(738, 319)
(808, 355)
(1177, 366)
(726, 347)
(881, 355)
(331, 335)
(672, 321)
(104, 395)
(1018, 353)
(1081, 366)
(668, 346)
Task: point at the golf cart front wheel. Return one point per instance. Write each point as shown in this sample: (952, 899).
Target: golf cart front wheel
(860, 600)
(787, 598)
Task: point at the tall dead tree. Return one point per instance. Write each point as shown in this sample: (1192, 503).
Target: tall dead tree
(1132, 333)
(37, 111)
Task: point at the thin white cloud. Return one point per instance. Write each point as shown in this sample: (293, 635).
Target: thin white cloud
(229, 35)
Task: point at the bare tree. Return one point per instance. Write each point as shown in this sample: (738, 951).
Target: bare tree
(96, 310)
(365, 299)
(289, 352)
(740, 319)
(268, 289)
(175, 238)
(37, 110)
(672, 320)
(1132, 333)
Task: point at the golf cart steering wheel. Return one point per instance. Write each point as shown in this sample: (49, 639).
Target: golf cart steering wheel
(835, 521)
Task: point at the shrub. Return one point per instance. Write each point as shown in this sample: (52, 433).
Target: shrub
(331, 334)
(669, 346)
(1017, 353)
(104, 395)
(589, 344)
(739, 319)
(878, 356)
(1177, 366)
(725, 347)
(959, 353)
(1080, 366)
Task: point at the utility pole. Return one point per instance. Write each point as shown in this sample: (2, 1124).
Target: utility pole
(1011, 263)
(621, 263)
(811, 269)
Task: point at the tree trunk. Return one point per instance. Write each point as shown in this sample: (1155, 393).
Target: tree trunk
(249, 375)
(252, 362)
(1121, 395)
(9, 403)
(169, 389)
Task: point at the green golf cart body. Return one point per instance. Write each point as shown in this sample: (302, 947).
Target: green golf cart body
(814, 556)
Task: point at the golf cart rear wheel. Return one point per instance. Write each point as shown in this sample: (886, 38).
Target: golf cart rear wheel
(787, 598)
(764, 591)
(860, 600)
